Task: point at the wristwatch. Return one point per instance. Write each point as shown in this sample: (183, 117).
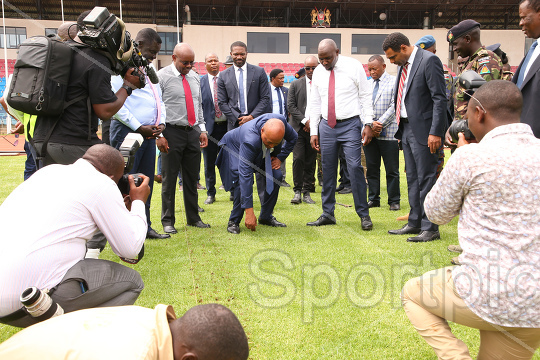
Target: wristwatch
(128, 89)
(370, 125)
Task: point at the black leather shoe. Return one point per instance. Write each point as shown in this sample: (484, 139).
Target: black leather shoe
(200, 224)
(322, 220)
(271, 222)
(338, 189)
(307, 199)
(425, 236)
(169, 229)
(285, 184)
(395, 207)
(345, 191)
(152, 234)
(200, 209)
(233, 228)
(210, 200)
(366, 223)
(406, 229)
(372, 204)
(297, 199)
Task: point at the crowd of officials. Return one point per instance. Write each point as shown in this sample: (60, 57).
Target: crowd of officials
(248, 126)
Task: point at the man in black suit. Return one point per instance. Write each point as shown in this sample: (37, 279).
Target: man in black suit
(304, 155)
(527, 76)
(243, 91)
(278, 102)
(215, 120)
(420, 99)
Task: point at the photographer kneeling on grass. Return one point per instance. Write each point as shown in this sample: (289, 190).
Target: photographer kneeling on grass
(493, 186)
(46, 222)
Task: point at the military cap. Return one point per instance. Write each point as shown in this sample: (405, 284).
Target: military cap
(228, 60)
(300, 73)
(461, 29)
(493, 47)
(426, 42)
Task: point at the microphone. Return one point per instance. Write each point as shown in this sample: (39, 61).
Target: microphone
(152, 75)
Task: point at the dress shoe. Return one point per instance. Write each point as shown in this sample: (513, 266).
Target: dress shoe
(153, 234)
(455, 261)
(200, 187)
(169, 229)
(210, 200)
(372, 204)
(297, 199)
(322, 220)
(425, 236)
(307, 198)
(200, 209)
(366, 223)
(395, 207)
(403, 218)
(338, 189)
(406, 229)
(200, 225)
(285, 184)
(455, 248)
(345, 191)
(233, 228)
(271, 222)
(158, 179)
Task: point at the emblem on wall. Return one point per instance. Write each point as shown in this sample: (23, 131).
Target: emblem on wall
(320, 18)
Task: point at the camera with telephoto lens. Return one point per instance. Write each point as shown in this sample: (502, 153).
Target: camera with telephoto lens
(129, 147)
(39, 304)
(470, 81)
(107, 34)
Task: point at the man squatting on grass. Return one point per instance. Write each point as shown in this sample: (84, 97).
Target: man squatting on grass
(205, 332)
(493, 186)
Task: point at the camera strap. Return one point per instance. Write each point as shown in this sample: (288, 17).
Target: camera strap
(158, 102)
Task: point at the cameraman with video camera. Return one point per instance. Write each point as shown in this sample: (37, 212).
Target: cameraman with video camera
(76, 130)
(65, 206)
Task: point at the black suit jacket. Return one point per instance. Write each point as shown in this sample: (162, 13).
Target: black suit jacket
(297, 103)
(530, 89)
(257, 90)
(425, 99)
(209, 112)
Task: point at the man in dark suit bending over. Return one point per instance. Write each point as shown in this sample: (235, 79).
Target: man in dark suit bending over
(255, 147)
(420, 99)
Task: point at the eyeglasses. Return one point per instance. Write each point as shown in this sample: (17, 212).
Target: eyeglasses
(186, 63)
(479, 103)
(310, 67)
(15, 143)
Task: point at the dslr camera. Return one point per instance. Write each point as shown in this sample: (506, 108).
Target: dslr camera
(470, 81)
(129, 147)
(107, 34)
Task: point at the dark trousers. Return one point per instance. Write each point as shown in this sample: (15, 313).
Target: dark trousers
(210, 154)
(344, 180)
(105, 283)
(185, 155)
(30, 163)
(145, 157)
(64, 154)
(303, 167)
(421, 176)
(268, 201)
(389, 151)
(348, 135)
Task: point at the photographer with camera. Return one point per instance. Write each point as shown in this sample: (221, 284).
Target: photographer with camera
(493, 186)
(66, 206)
(76, 130)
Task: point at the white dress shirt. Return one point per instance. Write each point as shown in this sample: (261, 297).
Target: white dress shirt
(275, 100)
(352, 93)
(47, 220)
(244, 85)
(308, 96)
(403, 111)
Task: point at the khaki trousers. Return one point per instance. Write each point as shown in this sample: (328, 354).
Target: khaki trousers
(430, 300)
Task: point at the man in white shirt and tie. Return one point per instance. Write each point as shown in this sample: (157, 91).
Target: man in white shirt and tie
(279, 105)
(341, 95)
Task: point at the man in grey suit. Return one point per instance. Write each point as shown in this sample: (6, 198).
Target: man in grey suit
(420, 98)
(527, 76)
(304, 155)
(243, 91)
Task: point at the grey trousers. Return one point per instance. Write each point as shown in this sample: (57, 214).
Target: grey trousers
(105, 283)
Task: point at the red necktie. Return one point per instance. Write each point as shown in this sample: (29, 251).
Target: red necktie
(400, 90)
(216, 107)
(332, 100)
(189, 101)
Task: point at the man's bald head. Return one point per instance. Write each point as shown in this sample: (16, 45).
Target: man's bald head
(183, 58)
(183, 49)
(328, 53)
(106, 160)
(272, 133)
(68, 31)
(209, 332)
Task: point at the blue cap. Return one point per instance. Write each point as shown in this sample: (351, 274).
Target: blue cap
(426, 42)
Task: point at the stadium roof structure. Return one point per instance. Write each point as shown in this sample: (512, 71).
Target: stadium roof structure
(391, 14)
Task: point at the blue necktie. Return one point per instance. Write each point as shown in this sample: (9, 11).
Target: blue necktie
(375, 91)
(241, 90)
(279, 100)
(521, 75)
(268, 168)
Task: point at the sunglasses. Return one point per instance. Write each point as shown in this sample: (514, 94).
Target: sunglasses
(186, 63)
(310, 67)
(15, 143)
